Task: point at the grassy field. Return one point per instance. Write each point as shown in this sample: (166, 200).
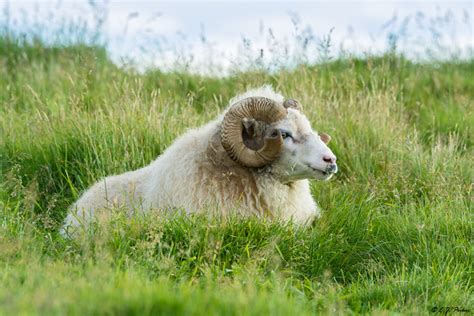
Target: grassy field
(396, 234)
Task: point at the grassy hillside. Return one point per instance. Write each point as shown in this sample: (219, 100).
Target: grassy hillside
(397, 230)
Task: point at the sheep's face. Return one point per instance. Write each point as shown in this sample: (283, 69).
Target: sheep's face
(305, 154)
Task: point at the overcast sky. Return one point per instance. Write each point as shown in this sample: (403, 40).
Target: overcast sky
(221, 31)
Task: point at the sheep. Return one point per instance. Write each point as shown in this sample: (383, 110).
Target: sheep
(255, 158)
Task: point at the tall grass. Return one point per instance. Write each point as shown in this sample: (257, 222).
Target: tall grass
(396, 233)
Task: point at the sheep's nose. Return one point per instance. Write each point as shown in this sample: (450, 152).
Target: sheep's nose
(329, 159)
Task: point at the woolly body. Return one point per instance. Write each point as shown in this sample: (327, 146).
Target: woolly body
(196, 174)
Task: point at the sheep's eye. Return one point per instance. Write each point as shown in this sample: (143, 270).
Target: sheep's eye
(285, 134)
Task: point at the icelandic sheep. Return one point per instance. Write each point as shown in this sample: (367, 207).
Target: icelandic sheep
(255, 158)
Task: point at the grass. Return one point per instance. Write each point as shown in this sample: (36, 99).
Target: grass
(396, 235)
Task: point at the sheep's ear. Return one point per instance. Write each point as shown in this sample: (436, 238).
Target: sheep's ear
(249, 126)
(253, 133)
(325, 137)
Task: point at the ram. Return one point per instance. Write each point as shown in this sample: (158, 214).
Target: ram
(255, 158)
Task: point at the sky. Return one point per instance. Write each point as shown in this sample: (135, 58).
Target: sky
(224, 34)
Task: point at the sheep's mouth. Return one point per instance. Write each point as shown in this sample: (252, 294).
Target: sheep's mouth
(323, 172)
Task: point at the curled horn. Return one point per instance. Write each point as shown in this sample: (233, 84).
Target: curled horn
(260, 109)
